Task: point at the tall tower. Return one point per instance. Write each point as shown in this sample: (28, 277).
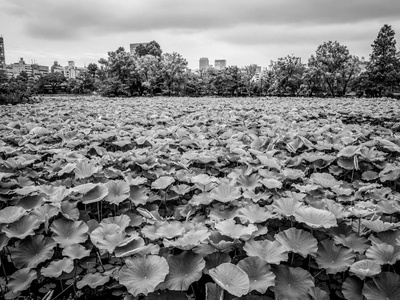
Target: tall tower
(2, 56)
(203, 63)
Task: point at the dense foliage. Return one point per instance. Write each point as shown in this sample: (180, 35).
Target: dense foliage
(166, 198)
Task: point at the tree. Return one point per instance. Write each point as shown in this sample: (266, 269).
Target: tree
(173, 67)
(383, 65)
(336, 67)
(287, 75)
(53, 80)
(247, 76)
(152, 48)
(92, 69)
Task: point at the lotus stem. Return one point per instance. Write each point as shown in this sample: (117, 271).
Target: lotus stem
(4, 269)
(194, 293)
(291, 260)
(359, 225)
(319, 273)
(101, 263)
(63, 291)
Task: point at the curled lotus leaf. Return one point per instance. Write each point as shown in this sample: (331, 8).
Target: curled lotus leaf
(184, 269)
(254, 213)
(225, 193)
(11, 214)
(45, 212)
(269, 162)
(32, 251)
(162, 182)
(315, 218)
(270, 251)
(390, 173)
(334, 258)
(69, 210)
(379, 225)
(122, 221)
(292, 283)
(203, 179)
(93, 280)
(107, 237)
(298, 241)
(325, 180)
(118, 191)
(236, 231)
(76, 251)
(83, 188)
(170, 230)
(141, 275)
(349, 151)
(259, 272)
(356, 243)
(317, 293)
(56, 267)
(249, 182)
(31, 201)
(67, 233)
(138, 195)
(21, 279)
(129, 248)
(189, 240)
(231, 278)
(22, 228)
(213, 260)
(94, 195)
(384, 286)
(365, 268)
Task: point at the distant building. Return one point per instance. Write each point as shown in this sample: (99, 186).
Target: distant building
(133, 46)
(204, 63)
(71, 71)
(220, 64)
(33, 70)
(257, 74)
(362, 64)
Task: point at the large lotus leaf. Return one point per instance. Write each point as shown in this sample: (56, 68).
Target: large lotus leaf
(203, 179)
(68, 168)
(11, 214)
(30, 202)
(39, 131)
(170, 230)
(184, 269)
(134, 246)
(138, 195)
(162, 182)
(298, 241)
(189, 240)
(135, 180)
(93, 280)
(356, 243)
(85, 169)
(325, 180)
(383, 253)
(269, 162)
(181, 189)
(259, 272)
(271, 183)
(315, 218)
(45, 212)
(385, 286)
(270, 251)
(231, 278)
(390, 173)
(67, 233)
(225, 193)
(69, 210)
(227, 213)
(56, 267)
(32, 251)
(118, 191)
(122, 221)
(365, 267)
(380, 226)
(236, 231)
(334, 258)
(286, 206)
(21, 279)
(141, 275)
(352, 288)
(254, 213)
(292, 283)
(96, 194)
(22, 228)
(107, 237)
(76, 251)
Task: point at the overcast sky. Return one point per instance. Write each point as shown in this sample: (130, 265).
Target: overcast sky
(241, 31)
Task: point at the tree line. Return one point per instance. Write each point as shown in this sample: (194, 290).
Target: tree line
(331, 71)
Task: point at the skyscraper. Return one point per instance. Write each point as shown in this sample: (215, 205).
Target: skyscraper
(203, 63)
(2, 56)
(220, 64)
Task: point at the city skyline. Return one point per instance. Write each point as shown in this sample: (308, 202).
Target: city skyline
(252, 33)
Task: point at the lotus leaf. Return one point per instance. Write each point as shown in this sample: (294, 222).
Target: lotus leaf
(11, 214)
(315, 218)
(259, 272)
(352, 288)
(141, 275)
(22, 228)
(107, 237)
(118, 191)
(236, 231)
(379, 226)
(385, 286)
(213, 260)
(364, 268)
(85, 169)
(356, 243)
(32, 251)
(286, 206)
(162, 182)
(231, 278)
(271, 183)
(69, 210)
(93, 280)
(76, 251)
(271, 251)
(138, 195)
(169, 230)
(96, 194)
(56, 267)
(383, 253)
(67, 233)
(292, 283)
(318, 294)
(21, 279)
(297, 241)
(225, 193)
(254, 214)
(334, 258)
(189, 240)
